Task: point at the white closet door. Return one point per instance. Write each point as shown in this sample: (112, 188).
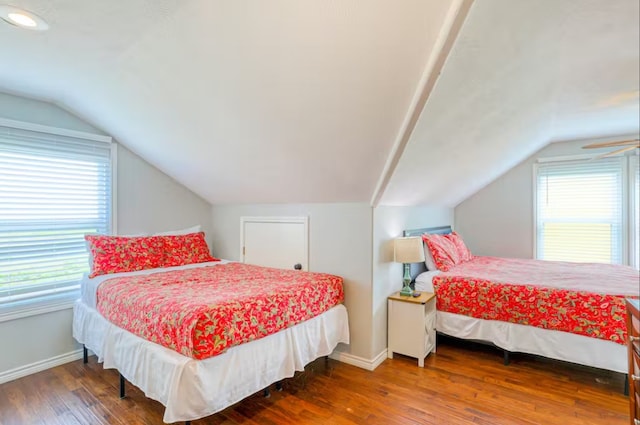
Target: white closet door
(280, 242)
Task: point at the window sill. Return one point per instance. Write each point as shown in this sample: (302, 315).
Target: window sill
(37, 306)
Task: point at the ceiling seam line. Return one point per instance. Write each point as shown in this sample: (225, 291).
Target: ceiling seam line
(442, 47)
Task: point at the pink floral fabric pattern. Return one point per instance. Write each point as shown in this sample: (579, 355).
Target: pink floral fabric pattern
(117, 254)
(580, 298)
(202, 312)
(461, 248)
(185, 249)
(443, 250)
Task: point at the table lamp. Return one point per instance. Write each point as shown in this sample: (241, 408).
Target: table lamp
(408, 250)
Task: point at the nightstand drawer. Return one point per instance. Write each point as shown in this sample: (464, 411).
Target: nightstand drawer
(403, 319)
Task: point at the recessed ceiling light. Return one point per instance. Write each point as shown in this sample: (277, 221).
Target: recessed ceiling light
(22, 18)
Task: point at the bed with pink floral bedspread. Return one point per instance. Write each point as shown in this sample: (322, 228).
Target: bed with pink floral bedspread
(202, 312)
(584, 299)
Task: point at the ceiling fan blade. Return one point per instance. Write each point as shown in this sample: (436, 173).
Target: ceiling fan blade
(634, 142)
(617, 151)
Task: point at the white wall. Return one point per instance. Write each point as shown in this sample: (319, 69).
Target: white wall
(350, 240)
(388, 224)
(148, 201)
(498, 220)
(339, 243)
(44, 113)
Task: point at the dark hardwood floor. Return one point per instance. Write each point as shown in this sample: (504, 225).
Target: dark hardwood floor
(461, 384)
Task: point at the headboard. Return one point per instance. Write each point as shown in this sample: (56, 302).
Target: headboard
(417, 268)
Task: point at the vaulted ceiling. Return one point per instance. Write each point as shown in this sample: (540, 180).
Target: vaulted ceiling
(522, 74)
(250, 101)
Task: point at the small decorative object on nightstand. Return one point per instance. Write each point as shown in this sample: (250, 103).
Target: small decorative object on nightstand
(411, 325)
(407, 250)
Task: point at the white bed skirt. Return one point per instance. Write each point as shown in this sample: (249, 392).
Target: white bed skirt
(557, 345)
(192, 389)
(580, 349)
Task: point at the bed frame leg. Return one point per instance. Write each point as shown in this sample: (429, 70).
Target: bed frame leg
(122, 388)
(266, 392)
(85, 354)
(626, 385)
(507, 360)
(279, 386)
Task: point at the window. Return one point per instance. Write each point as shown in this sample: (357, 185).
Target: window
(584, 211)
(579, 211)
(55, 186)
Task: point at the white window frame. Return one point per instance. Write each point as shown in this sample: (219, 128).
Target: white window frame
(626, 208)
(56, 302)
(631, 199)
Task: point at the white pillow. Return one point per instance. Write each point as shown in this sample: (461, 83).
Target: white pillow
(428, 258)
(194, 229)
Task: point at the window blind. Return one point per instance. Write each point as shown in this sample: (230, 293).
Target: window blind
(579, 211)
(53, 190)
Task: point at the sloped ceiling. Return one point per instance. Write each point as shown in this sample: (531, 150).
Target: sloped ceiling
(250, 101)
(522, 74)
(239, 100)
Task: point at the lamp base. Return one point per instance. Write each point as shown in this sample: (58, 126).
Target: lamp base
(406, 281)
(406, 291)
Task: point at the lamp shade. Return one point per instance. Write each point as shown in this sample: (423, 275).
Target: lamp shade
(408, 250)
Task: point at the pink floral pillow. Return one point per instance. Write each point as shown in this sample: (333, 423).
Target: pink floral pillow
(444, 251)
(116, 254)
(186, 249)
(463, 252)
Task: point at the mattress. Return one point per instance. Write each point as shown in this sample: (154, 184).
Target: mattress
(201, 312)
(584, 299)
(514, 337)
(89, 286)
(424, 281)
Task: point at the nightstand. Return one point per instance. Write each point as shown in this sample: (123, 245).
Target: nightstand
(411, 325)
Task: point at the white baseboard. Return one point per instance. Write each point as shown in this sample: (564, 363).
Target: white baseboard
(39, 366)
(368, 364)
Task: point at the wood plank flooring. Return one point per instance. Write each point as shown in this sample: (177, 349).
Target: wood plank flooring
(462, 384)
